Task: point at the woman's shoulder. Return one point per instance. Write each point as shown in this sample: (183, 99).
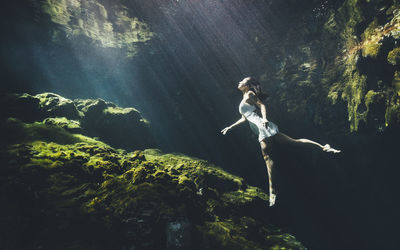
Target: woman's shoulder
(250, 94)
(250, 98)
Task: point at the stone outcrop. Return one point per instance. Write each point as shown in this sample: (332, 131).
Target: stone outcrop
(61, 190)
(340, 62)
(103, 23)
(119, 127)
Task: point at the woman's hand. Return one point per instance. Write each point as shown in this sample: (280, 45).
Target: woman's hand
(225, 130)
(265, 122)
(241, 120)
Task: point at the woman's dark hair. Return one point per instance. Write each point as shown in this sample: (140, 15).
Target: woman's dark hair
(255, 86)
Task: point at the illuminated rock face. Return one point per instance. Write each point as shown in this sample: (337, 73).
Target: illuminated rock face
(368, 81)
(106, 24)
(341, 65)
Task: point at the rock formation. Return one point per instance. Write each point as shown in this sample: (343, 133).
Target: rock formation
(63, 190)
(341, 63)
(119, 127)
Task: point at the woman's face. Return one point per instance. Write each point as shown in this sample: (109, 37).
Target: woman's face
(243, 84)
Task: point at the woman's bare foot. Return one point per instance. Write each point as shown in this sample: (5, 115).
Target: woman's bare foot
(327, 148)
(272, 198)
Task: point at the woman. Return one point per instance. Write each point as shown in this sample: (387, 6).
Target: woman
(265, 129)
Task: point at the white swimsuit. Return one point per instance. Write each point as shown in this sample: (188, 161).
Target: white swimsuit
(256, 123)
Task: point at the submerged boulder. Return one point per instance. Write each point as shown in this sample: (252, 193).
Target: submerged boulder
(63, 190)
(62, 122)
(53, 105)
(22, 106)
(124, 127)
(119, 127)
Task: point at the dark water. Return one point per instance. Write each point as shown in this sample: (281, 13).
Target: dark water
(184, 81)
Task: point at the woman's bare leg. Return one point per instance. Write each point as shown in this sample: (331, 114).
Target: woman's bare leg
(281, 137)
(270, 167)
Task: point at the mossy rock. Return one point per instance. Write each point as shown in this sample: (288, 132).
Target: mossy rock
(21, 106)
(54, 105)
(75, 191)
(111, 26)
(394, 56)
(120, 127)
(62, 122)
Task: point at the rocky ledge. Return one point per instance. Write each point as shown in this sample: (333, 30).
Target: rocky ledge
(120, 127)
(64, 190)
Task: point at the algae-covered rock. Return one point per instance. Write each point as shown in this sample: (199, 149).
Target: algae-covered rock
(35, 108)
(324, 75)
(54, 105)
(394, 56)
(70, 125)
(120, 127)
(22, 106)
(363, 64)
(124, 127)
(108, 25)
(61, 190)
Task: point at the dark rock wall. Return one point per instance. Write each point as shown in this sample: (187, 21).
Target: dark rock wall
(339, 67)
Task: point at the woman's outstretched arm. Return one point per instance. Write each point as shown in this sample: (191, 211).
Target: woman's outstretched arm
(241, 120)
(263, 109)
(263, 112)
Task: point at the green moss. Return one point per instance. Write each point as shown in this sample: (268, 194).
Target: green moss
(63, 122)
(58, 10)
(46, 99)
(353, 93)
(371, 49)
(392, 114)
(16, 131)
(396, 82)
(229, 234)
(85, 182)
(226, 235)
(394, 56)
(371, 40)
(118, 110)
(108, 26)
(343, 77)
(351, 14)
(290, 242)
(370, 98)
(334, 92)
(331, 24)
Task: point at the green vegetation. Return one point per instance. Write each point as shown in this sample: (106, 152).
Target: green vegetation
(392, 115)
(394, 56)
(371, 40)
(352, 86)
(118, 110)
(62, 122)
(108, 26)
(75, 185)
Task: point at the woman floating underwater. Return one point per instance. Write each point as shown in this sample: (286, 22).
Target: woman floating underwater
(265, 129)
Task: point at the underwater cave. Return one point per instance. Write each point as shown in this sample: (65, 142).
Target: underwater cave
(169, 124)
